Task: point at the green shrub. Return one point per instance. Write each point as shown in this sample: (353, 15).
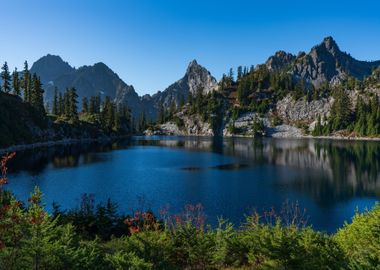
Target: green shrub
(360, 240)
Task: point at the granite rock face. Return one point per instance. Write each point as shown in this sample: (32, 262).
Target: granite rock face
(327, 63)
(279, 60)
(301, 110)
(196, 78)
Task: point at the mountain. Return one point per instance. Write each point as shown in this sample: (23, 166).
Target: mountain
(196, 78)
(97, 79)
(324, 63)
(279, 60)
(50, 67)
(100, 79)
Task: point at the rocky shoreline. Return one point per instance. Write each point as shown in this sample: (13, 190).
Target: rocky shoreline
(66, 141)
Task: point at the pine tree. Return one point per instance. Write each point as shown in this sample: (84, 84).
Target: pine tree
(72, 103)
(318, 129)
(61, 104)
(239, 73)
(55, 109)
(84, 105)
(231, 75)
(108, 114)
(142, 122)
(360, 115)
(36, 95)
(16, 83)
(340, 111)
(26, 82)
(6, 77)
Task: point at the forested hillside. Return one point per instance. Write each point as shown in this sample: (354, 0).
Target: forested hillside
(24, 119)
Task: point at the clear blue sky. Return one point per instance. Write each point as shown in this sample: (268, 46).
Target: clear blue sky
(150, 43)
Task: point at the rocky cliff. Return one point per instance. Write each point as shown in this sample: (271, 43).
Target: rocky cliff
(324, 63)
(196, 78)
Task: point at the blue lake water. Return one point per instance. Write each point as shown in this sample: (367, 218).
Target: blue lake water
(330, 179)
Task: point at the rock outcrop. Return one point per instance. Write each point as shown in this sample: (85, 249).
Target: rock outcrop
(327, 63)
(292, 111)
(196, 78)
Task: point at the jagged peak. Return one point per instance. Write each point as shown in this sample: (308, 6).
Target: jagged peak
(282, 54)
(328, 44)
(193, 63)
(279, 60)
(51, 58)
(101, 65)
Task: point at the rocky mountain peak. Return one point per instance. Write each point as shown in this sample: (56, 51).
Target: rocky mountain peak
(328, 45)
(50, 67)
(199, 78)
(193, 63)
(279, 60)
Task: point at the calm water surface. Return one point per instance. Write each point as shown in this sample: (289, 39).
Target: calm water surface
(229, 177)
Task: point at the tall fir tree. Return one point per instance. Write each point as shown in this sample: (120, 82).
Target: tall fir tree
(55, 109)
(36, 95)
(85, 105)
(61, 104)
(341, 114)
(6, 78)
(16, 83)
(26, 82)
(72, 103)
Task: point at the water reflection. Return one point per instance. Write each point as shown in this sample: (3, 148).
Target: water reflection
(330, 170)
(35, 161)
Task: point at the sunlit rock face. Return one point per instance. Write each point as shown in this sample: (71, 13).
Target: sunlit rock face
(197, 78)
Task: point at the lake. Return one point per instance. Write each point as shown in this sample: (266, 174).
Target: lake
(230, 177)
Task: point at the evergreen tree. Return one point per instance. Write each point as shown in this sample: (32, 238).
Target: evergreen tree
(373, 119)
(258, 127)
(55, 109)
(108, 114)
(26, 82)
(142, 122)
(360, 117)
(231, 75)
(16, 83)
(61, 104)
(6, 78)
(318, 129)
(340, 116)
(239, 73)
(36, 95)
(70, 105)
(73, 108)
(84, 105)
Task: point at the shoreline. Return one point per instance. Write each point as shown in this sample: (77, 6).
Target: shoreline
(67, 141)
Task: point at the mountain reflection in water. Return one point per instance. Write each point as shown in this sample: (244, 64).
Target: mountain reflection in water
(229, 176)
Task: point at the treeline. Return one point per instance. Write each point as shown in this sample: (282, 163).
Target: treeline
(28, 86)
(105, 113)
(363, 119)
